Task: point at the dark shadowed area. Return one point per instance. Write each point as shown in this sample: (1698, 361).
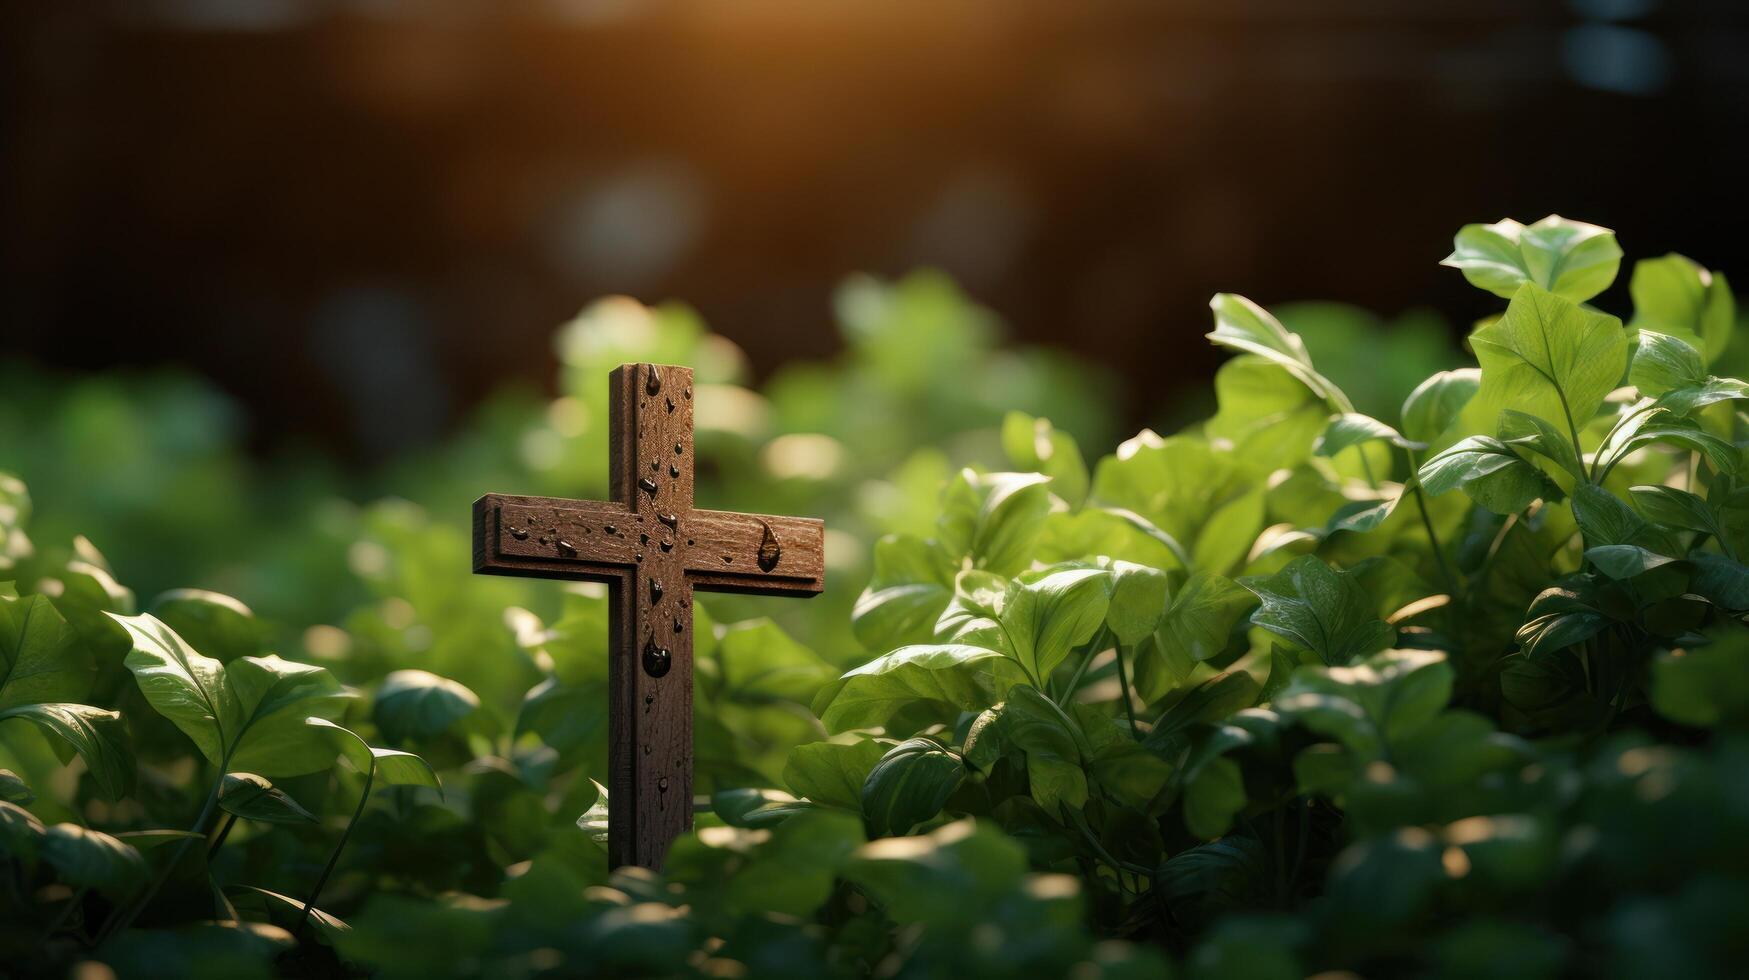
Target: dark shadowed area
(360, 217)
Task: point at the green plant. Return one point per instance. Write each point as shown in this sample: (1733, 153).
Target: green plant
(1455, 692)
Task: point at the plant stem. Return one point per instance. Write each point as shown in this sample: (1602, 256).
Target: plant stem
(334, 858)
(1093, 647)
(219, 841)
(67, 910)
(1123, 682)
(125, 916)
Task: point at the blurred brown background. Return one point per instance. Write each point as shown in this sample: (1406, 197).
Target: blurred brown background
(307, 200)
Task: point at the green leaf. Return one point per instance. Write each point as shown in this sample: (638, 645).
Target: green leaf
(796, 870)
(1243, 325)
(1043, 619)
(944, 878)
(89, 858)
(1721, 580)
(1549, 357)
(1170, 489)
(1570, 258)
(1266, 413)
(420, 704)
(292, 911)
(994, 518)
(1437, 402)
(1381, 700)
(1203, 614)
(1034, 444)
(1705, 685)
(1559, 617)
(1210, 701)
(1319, 609)
(1352, 429)
(183, 686)
(14, 789)
(967, 678)
(832, 773)
(1677, 509)
(1676, 295)
(222, 626)
(392, 767)
(99, 737)
(594, 820)
(1663, 363)
(1056, 750)
(761, 663)
(1541, 437)
(1138, 601)
(912, 583)
(273, 698)
(1490, 472)
(909, 785)
(21, 833)
(1686, 433)
(753, 808)
(248, 714)
(1213, 798)
(40, 655)
(1684, 401)
(1607, 520)
(255, 798)
(1624, 561)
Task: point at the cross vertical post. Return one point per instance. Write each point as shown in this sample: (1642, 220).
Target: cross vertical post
(652, 548)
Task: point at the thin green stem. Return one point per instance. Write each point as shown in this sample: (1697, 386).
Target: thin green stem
(124, 916)
(1093, 647)
(66, 910)
(219, 841)
(334, 858)
(1123, 683)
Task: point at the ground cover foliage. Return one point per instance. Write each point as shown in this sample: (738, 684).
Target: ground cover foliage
(1371, 670)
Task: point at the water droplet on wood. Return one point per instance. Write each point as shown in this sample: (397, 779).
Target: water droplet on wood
(609, 529)
(670, 404)
(679, 448)
(667, 545)
(662, 785)
(519, 533)
(728, 559)
(569, 549)
(655, 465)
(679, 625)
(674, 472)
(657, 659)
(670, 520)
(643, 539)
(689, 392)
(655, 592)
(648, 486)
(652, 381)
(769, 550)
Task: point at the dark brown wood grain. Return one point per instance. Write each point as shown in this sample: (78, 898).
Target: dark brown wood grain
(653, 549)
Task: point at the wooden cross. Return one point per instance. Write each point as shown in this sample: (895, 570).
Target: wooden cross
(652, 549)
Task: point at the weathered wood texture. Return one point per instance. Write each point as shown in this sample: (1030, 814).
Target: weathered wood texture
(652, 549)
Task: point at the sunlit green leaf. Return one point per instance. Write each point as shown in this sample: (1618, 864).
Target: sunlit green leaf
(1319, 609)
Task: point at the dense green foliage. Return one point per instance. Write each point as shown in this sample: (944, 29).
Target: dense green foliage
(1450, 689)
